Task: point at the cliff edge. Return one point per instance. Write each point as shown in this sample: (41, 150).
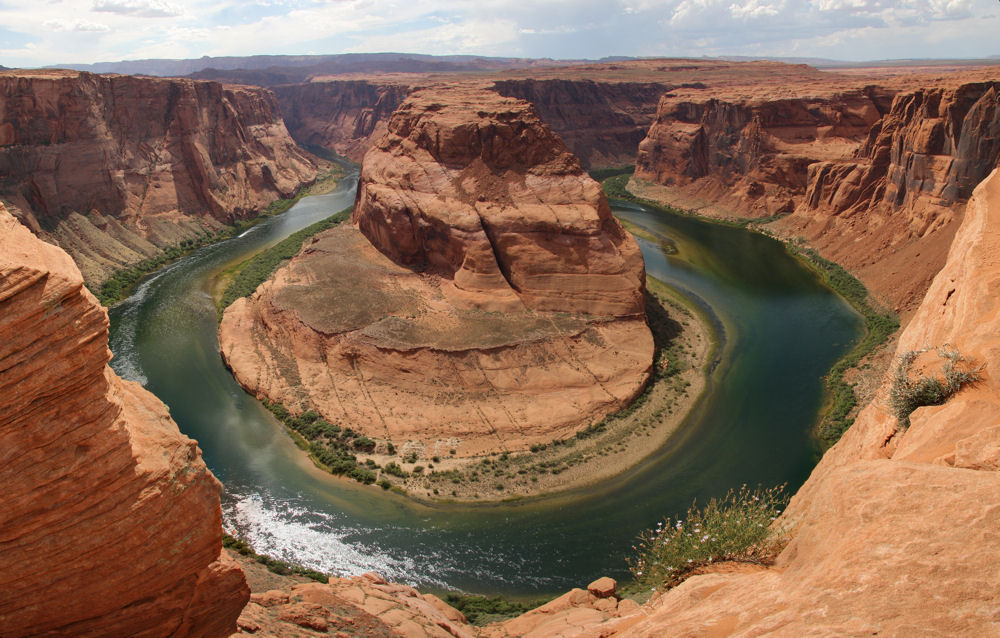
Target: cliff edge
(114, 169)
(110, 522)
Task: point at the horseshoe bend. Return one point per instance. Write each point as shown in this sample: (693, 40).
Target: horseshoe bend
(481, 302)
(483, 298)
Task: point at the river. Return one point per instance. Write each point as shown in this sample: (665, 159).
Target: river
(783, 328)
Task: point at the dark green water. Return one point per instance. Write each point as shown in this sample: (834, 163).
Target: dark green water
(783, 332)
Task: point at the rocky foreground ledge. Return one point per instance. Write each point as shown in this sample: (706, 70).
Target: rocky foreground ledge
(485, 299)
(110, 523)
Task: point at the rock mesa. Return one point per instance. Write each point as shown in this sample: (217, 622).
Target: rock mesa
(485, 300)
(111, 523)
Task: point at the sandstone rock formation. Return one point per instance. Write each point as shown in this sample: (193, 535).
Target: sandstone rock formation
(875, 177)
(110, 522)
(115, 168)
(895, 532)
(345, 116)
(491, 302)
(889, 213)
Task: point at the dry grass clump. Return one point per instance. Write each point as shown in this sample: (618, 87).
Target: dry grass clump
(738, 527)
(908, 393)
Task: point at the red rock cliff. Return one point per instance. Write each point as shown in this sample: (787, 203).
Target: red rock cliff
(112, 168)
(895, 532)
(344, 116)
(478, 189)
(110, 523)
(492, 302)
(889, 213)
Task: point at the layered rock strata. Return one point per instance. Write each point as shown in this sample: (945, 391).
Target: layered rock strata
(110, 522)
(345, 116)
(116, 168)
(891, 533)
(875, 178)
(486, 299)
(889, 212)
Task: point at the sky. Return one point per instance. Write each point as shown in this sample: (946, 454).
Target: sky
(48, 32)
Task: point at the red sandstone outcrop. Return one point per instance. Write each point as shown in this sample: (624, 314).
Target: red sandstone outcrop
(110, 522)
(346, 116)
(895, 532)
(890, 212)
(875, 178)
(491, 302)
(115, 168)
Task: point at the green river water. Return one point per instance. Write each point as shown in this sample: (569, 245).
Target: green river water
(783, 330)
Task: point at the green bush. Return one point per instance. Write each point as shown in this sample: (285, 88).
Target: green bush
(482, 610)
(272, 564)
(908, 394)
(737, 527)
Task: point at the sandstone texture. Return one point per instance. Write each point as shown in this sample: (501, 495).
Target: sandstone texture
(345, 116)
(369, 606)
(601, 111)
(895, 532)
(486, 299)
(875, 176)
(115, 168)
(110, 523)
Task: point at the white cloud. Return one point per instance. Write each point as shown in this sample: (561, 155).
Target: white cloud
(79, 26)
(138, 8)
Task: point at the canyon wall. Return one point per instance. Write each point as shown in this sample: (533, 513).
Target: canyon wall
(115, 168)
(487, 299)
(875, 178)
(110, 523)
(896, 531)
(345, 116)
(890, 212)
(601, 122)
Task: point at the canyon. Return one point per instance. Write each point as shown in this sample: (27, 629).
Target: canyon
(484, 299)
(111, 522)
(115, 169)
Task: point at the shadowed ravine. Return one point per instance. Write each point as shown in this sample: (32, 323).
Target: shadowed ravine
(783, 332)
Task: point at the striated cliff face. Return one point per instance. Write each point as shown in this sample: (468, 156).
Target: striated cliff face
(345, 116)
(891, 533)
(889, 213)
(601, 122)
(110, 523)
(486, 300)
(115, 168)
(875, 178)
(752, 155)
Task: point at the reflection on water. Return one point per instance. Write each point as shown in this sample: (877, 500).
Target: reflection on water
(783, 331)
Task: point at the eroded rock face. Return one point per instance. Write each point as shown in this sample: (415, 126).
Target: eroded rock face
(346, 116)
(110, 522)
(474, 187)
(875, 178)
(114, 168)
(752, 155)
(890, 212)
(489, 300)
(892, 530)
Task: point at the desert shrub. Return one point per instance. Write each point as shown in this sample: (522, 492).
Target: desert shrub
(908, 393)
(272, 564)
(481, 610)
(737, 527)
(394, 469)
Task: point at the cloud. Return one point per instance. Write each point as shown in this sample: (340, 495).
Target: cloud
(81, 26)
(138, 8)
